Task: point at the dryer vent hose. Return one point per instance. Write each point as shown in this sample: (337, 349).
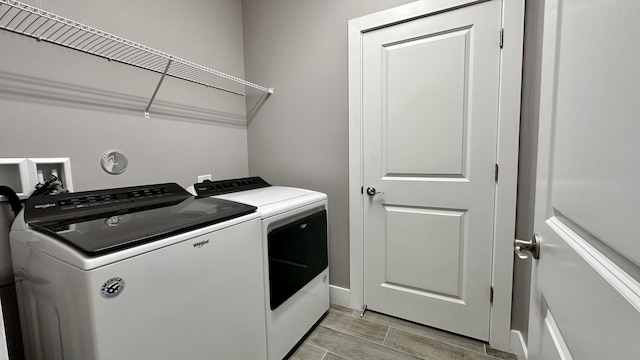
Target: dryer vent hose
(13, 198)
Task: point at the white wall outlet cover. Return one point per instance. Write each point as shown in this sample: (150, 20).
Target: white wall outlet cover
(202, 178)
(114, 162)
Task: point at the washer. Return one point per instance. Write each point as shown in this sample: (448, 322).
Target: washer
(296, 271)
(146, 272)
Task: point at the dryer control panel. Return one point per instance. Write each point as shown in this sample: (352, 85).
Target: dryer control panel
(211, 188)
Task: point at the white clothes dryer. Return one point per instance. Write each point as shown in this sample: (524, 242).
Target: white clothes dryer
(294, 238)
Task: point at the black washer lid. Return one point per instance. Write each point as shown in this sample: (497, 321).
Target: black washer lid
(103, 221)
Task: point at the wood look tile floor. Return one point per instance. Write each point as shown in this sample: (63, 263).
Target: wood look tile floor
(344, 335)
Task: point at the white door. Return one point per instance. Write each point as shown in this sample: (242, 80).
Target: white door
(585, 297)
(4, 355)
(430, 110)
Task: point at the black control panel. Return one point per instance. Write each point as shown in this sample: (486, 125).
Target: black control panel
(48, 208)
(211, 188)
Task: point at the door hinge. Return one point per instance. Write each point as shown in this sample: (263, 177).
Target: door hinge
(501, 38)
(491, 295)
(496, 173)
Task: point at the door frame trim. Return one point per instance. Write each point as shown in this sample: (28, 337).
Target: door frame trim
(507, 150)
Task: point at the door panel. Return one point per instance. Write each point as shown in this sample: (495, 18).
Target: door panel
(586, 299)
(587, 276)
(597, 166)
(553, 344)
(595, 155)
(427, 119)
(430, 100)
(437, 250)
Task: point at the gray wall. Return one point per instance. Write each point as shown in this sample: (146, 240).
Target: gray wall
(56, 102)
(299, 136)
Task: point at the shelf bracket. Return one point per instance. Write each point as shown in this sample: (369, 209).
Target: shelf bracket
(155, 92)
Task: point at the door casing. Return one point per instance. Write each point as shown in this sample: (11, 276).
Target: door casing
(507, 152)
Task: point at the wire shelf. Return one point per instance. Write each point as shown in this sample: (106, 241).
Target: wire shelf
(27, 20)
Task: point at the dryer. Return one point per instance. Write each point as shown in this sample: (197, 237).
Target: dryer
(146, 272)
(294, 242)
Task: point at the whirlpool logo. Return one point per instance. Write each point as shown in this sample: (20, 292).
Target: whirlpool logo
(200, 244)
(44, 206)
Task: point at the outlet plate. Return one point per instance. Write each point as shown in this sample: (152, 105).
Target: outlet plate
(22, 174)
(14, 173)
(41, 168)
(202, 178)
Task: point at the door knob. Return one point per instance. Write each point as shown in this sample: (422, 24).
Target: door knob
(531, 246)
(372, 191)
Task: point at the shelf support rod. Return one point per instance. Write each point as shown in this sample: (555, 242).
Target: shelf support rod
(155, 92)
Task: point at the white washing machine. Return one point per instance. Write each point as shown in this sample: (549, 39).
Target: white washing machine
(144, 272)
(296, 271)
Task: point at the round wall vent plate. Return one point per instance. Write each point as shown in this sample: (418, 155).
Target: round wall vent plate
(114, 162)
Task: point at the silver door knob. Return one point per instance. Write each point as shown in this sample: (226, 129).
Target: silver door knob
(372, 191)
(531, 246)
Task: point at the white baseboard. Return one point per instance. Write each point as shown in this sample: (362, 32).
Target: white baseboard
(340, 296)
(517, 345)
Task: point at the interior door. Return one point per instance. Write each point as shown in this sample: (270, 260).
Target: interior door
(430, 102)
(4, 355)
(585, 296)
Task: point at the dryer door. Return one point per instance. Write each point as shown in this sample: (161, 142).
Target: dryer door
(297, 254)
